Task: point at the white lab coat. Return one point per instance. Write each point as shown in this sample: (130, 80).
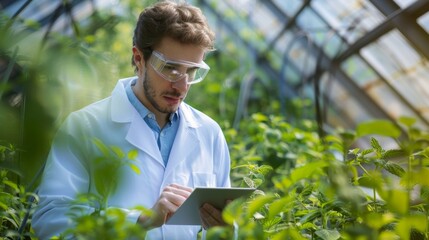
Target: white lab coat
(199, 157)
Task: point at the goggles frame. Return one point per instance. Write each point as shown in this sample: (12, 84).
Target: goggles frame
(171, 70)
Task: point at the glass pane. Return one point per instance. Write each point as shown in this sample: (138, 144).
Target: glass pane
(352, 19)
(320, 33)
(283, 42)
(38, 10)
(424, 21)
(265, 21)
(300, 56)
(294, 47)
(404, 3)
(290, 7)
(289, 74)
(349, 108)
(250, 19)
(390, 102)
(359, 71)
(401, 66)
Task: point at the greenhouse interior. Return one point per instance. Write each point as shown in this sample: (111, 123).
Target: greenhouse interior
(321, 107)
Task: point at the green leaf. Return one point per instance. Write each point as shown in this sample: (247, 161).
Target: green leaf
(257, 203)
(310, 216)
(218, 233)
(3, 206)
(132, 154)
(394, 169)
(259, 117)
(307, 170)
(279, 205)
(135, 168)
(393, 153)
(418, 222)
(252, 158)
(233, 212)
(354, 151)
(398, 201)
(372, 180)
(419, 176)
(407, 121)
(265, 169)
(249, 182)
(101, 146)
(367, 151)
(289, 234)
(376, 145)
(11, 184)
(118, 151)
(378, 220)
(378, 127)
(326, 234)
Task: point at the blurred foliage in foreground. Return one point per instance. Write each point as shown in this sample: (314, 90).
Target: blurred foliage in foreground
(307, 187)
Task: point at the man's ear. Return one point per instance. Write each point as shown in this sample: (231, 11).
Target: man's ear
(138, 58)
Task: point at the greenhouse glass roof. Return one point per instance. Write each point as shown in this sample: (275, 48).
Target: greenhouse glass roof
(369, 58)
(359, 59)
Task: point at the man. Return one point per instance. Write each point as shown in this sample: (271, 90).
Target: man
(179, 148)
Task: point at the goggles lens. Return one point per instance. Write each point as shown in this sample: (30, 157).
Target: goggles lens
(175, 70)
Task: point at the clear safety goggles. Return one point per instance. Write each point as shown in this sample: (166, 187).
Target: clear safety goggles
(175, 70)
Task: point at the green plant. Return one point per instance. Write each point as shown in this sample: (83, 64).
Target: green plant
(105, 222)
(109, 224)
(16, 203)
(107, 164)
(307, 187)
(327, 188)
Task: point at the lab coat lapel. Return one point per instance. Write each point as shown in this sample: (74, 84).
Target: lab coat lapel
(139, 133)
(186, 140)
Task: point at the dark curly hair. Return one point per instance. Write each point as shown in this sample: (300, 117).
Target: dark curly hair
(180, 21)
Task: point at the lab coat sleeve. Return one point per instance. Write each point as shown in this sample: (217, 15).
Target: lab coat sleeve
(66, 175)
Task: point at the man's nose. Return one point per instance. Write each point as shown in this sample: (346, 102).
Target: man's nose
(181, 84)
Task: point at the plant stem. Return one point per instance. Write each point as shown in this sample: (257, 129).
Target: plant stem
(410, 161)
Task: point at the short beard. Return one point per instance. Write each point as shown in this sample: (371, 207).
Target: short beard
(150, 94)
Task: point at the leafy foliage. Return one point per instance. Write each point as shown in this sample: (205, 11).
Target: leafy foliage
(110, 223)
(111, 159)
(308, 188)
(16, 203)
(105, 222)
(328, 190)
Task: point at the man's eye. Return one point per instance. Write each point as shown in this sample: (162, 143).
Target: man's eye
(170, 68)
(192, 71)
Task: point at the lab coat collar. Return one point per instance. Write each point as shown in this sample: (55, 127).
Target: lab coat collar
(122, 111)
(121, 106)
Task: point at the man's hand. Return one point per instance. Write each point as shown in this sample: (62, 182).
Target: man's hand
(211, 216)
(171, 198)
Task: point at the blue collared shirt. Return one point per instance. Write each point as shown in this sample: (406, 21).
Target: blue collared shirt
(165, 136)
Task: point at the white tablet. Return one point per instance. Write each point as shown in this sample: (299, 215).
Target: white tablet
(189, 212)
